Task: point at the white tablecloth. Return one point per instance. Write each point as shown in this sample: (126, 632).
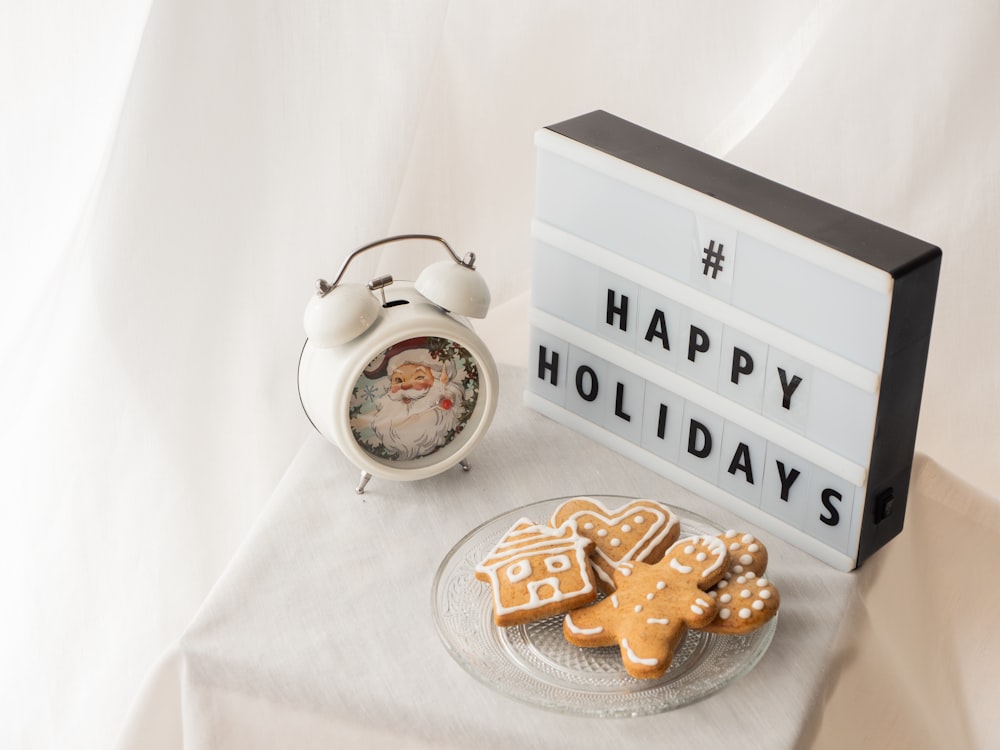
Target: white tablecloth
(175, 174)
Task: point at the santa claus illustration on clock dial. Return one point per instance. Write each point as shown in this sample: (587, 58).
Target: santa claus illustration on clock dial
(414, 398)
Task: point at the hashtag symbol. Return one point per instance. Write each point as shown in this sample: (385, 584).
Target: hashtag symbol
(713, 259)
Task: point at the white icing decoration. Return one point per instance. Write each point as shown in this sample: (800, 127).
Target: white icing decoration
(747, 538)
(722, 584)
(741, 579)
(753, 548)
(730, 534)
(558, 563)
(734, 546)
(519, 571)
(680, 567)
(602, 533)
(762, 581)
(745, 613)
(724, 614)
(758, 605)
(702, 602)
(616, 542)
(614, 600)
(689, 550)
(726, 598)
(639, 519)
(697, 610)
(634, 658)
(660, 585)
(625, 571)
(649, 597)
(746, 559)
(574, 628)
(588, 526)
(638, 608)
(658, 621)
(701, 557)
(746, 593)
(626, 528)
(765, 594)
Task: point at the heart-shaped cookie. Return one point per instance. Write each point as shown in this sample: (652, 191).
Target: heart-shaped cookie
(641, 531)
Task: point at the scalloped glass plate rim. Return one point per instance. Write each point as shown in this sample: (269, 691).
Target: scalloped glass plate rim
(504, 658)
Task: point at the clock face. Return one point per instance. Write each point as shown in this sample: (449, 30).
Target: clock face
(414, 399)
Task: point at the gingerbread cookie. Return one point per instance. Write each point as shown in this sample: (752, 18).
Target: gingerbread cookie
(537, 571)
(746, 599)
(653, 606)
(641, 530)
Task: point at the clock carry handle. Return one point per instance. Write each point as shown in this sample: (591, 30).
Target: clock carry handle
(323, 287)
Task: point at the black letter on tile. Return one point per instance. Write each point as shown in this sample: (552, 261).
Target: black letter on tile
(661, 424)
(788, 388)
(787, 480)
(834, 518)
(551, 365)
(741, 462)
(619, 398)
(694, 430)
(742, 364)
(697, 342)
(621, 311)
(658, 329)
(591, 393)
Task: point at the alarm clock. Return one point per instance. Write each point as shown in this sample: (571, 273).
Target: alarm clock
(392, 372)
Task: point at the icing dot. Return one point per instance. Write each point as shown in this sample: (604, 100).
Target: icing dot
(753, 548)
(714, 594)
(614, 600)
(726, 598)
(765, 594)
(701, 602)
(588, 526)
(701, 557)
(626, 528)
(649, 596)
(724, 614)
(602, 533)
(746, 559)
(625, 571)
(745, 613)
(746, 594)
(638, 608)
(697, 610)
(616, 542)
(734, 546)
(639, 519)
(741, 579)
(758, 605)
(738, 568)
(722, 584)
(750, 575)
(730, 534)
(660, 585)
(762, 581)
(747, 538)
(689, 550)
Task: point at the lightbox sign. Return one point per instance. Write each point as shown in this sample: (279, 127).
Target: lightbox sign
(763, 348)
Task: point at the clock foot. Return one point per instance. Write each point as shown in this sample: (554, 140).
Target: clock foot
(363, 482)
(465, 465)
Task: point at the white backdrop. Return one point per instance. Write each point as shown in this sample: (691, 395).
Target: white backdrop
(174, 175)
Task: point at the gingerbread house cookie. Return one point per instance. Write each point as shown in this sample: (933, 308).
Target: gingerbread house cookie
(537, 571)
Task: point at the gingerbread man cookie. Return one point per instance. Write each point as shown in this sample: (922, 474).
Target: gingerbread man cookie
(746, 599)
(537, 572)
(641, 530)
(653, 606)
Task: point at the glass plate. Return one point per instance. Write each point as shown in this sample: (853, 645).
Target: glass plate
(535, 664)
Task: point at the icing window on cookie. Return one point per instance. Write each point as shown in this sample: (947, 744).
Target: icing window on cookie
(519, 571)
(558, 563)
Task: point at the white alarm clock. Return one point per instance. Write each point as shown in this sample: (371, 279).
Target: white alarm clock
(391, 371)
